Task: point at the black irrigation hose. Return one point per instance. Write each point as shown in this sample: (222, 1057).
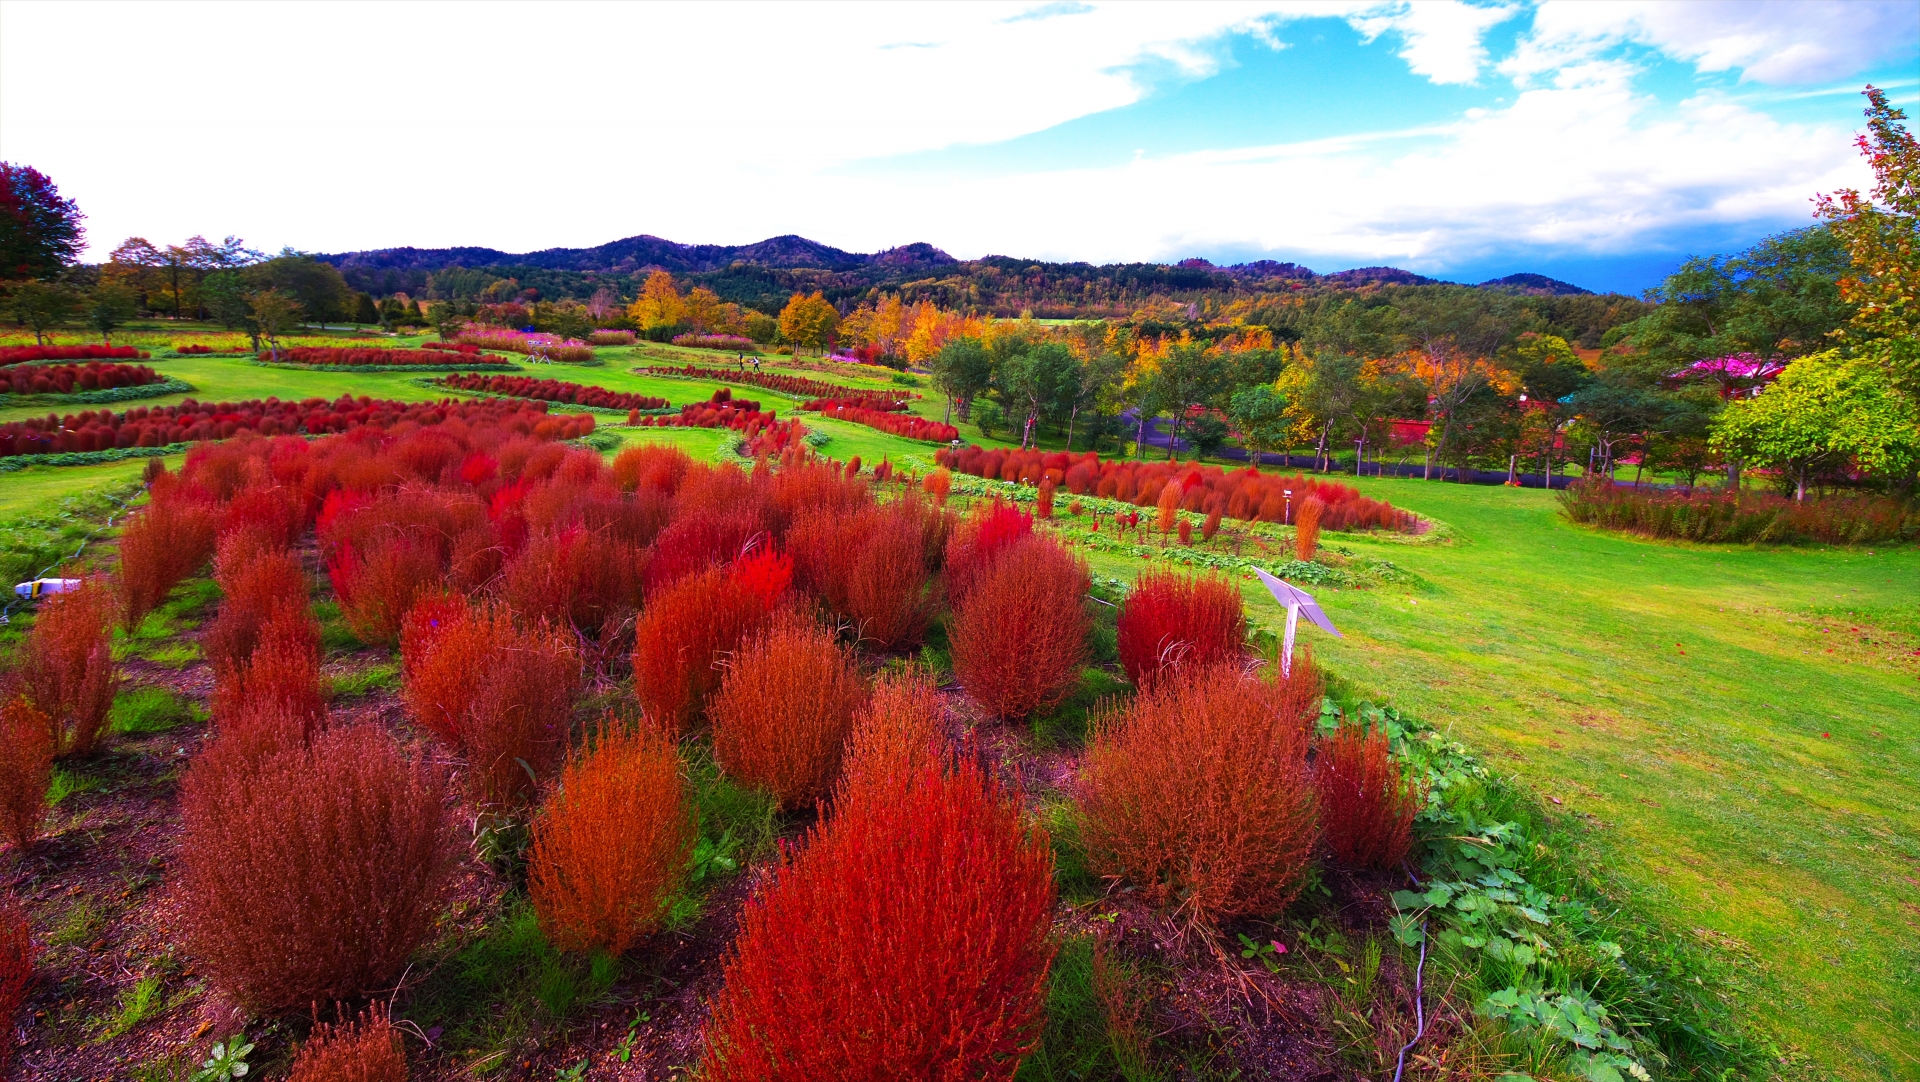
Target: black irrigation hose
(7, 611)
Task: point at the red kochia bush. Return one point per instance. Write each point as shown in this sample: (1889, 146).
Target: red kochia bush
(159, 548)
(611, 846)
(66, 666)
(1197, 791)
(870, 567)
(575, 576)
(978, 541)
(26, 766)
(1366, 807)
(377, 584)
(499, 694)
(16, 971)
(365, 1049)
(256, 585)
(685, 633)
(1172, 620)
(781, 718)
(318, 874)
(908, 938)
(281, 672)
(1019, 639)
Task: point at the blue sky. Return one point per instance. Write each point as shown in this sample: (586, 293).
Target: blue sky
(1595, 142)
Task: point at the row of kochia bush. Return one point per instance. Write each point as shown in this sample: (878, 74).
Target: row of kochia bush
(358, 356)
(505, 567)
(22, 354)
(1245, 494)
(552, 390)
(898, 424)
(799, 386)
(159, 426)
(68, 378)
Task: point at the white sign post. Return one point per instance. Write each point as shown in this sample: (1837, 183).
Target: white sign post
(1297, 601)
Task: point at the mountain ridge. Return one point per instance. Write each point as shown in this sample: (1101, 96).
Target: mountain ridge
(646, 252)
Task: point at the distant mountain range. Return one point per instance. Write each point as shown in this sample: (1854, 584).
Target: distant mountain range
(764, 273)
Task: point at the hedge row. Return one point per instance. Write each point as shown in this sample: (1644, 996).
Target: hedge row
(358, 358)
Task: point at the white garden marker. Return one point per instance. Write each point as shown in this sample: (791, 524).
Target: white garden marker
(1297, 601)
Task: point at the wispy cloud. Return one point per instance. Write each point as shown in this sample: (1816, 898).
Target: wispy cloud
(1050, 11)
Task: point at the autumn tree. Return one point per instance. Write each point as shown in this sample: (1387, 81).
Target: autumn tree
(1881, 231)
(809, 322)
(659, 307)
(40, 230)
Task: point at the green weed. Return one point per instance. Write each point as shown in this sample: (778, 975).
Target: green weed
(151, 710)
(365, 681)
(67, 782)
(79, 925)
(138, 1002)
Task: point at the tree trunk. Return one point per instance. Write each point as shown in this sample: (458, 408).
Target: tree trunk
(1320, 449)
(1800, 486)
(1072, 415)
(1733, 476)
(1140, 435)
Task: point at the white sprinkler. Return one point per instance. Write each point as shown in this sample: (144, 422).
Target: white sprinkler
(1297, 601)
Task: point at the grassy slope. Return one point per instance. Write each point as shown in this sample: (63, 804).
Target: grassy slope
(1680, 695)
(1559, 651)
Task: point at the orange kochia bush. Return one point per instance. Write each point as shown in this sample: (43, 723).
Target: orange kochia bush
(908, 938)
(1197, 791)
(65, 666)
(684, 634)
(781, 718)
(611, 846)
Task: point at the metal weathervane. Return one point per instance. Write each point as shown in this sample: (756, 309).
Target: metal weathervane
(1296, 601)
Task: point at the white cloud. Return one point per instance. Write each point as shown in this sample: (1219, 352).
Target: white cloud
(525, 127)
(1442, 37)
(1782, 41)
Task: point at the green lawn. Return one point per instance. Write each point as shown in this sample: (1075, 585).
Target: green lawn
(1740, 727)
(1682, 697)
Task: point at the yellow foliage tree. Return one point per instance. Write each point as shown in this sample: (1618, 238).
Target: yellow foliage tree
(809, 322)
(659, 303)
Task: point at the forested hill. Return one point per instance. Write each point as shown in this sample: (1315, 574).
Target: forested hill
(763, 275)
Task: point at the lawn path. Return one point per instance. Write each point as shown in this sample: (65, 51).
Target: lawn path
(1680, 698)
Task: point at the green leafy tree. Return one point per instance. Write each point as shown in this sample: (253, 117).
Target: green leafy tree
(364, 311)
(1208, 434)
(40, 230)
(963, 371)
(1612, 410)
(1778, 300)
(1825, 411)
(110, 305)
(317, 289)
(1260, 413)
(447, 320)
(1189, 375)
(39, 306)
(276, 314)
(225, 297)
(1039, 384)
